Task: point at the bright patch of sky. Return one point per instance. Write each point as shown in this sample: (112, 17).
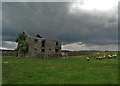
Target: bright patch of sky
(101, 5)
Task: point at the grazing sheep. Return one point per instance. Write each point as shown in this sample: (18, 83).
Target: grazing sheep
(104, 56)
(64, 54)
(88, 58)
(109, 56)
(114, 55)
(97, 57)
(100, 58)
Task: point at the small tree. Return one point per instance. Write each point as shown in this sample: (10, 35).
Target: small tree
(22, 44)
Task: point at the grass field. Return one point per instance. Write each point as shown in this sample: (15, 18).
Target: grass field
(70, 70)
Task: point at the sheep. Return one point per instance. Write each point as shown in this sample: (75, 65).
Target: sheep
(114, 55)
(109, 56)
(88, 58)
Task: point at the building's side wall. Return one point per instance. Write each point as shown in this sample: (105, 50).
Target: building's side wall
(52, 47)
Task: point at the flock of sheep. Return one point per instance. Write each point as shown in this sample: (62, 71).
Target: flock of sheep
(104, 56)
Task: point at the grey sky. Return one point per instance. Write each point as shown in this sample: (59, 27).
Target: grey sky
(54, 20)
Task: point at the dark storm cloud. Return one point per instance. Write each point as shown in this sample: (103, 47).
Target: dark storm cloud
(53, 20)
(93, 27)
(44, 18)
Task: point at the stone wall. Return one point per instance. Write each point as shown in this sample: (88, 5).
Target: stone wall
(9, 53)
(77, 53)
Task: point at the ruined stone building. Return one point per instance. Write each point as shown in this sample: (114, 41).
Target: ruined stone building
(41, 47)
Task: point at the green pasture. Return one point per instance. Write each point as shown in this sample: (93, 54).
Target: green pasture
(63, 70)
